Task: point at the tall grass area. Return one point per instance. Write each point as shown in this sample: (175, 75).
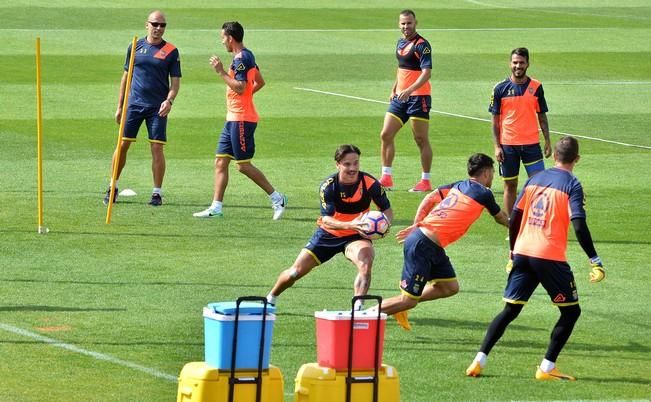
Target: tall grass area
(134, 290)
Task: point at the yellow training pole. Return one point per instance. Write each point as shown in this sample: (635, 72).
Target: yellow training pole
(118, 148)
(39, 139)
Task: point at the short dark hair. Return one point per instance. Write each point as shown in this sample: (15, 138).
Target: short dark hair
(566, 149)
(521, 51)
(346, 149)
(234, 29)
(408, 12)
(479, 162)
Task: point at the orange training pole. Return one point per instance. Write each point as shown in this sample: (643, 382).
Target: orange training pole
(118, 148)
(39, 139)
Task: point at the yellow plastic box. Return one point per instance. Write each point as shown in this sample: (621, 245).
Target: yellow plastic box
(199, 382)
(321, 384)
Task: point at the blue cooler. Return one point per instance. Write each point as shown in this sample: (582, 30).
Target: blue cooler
(219, 322)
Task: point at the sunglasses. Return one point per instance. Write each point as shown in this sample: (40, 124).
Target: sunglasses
(158, 24)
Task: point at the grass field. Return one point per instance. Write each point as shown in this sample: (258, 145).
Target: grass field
(96, 312)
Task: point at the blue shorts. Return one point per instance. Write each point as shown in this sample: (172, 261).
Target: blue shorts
(236, 141)
(416, 106)
(555, 276)
(425, 261)
(156, 125)
(324, 245)
(530, 155)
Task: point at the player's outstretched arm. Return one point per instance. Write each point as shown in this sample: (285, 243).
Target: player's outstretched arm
(502, 218)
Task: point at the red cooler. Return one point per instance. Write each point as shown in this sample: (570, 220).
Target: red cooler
(332, 338)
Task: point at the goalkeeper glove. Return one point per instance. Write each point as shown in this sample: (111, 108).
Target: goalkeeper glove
(509, 265)
(597, 273)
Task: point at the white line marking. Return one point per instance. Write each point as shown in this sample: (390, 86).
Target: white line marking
(467, 117)
(95, 355)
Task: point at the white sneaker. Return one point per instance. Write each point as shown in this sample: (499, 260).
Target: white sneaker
(208, 213)
(279, 207)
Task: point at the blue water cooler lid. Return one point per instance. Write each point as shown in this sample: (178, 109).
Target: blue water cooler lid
(246, 308)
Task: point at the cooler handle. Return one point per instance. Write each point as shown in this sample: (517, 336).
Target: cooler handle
(258, 380)
(349, 378)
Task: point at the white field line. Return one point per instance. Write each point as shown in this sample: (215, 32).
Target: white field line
(94, 355)
(467, 117)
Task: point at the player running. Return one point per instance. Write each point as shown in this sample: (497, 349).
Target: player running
(237, 141)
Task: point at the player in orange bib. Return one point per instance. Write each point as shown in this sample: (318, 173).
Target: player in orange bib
(345, 196)
(236, 142)
(519, 110)
(443, 217)
(411, 100)
(547, 204)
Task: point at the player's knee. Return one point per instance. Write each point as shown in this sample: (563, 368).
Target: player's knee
(387, 135)
(243, 167)
(292, 275)
(407, 302)
(570, 313)
(511, 185)
(421, 142)
(511, 311)
(451, 289)
(221, 163)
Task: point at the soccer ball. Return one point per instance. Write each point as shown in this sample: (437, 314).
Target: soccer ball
(377, 225)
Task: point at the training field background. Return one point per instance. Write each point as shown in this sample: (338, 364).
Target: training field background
(96, 312)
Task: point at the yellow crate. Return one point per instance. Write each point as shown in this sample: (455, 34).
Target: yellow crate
(199, 382)
(321, 384)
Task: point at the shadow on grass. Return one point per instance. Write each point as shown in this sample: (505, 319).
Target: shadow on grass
(466, 324)
(187, 234)
(265, 287)
(601, 380)
(56, 308)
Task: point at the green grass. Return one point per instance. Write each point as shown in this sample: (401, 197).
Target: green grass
(134, 289)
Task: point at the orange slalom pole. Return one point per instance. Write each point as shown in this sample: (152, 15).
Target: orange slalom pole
(39, 140)
(118, 148)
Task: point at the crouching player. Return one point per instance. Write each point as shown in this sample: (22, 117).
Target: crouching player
(345, 196)
(442, 218)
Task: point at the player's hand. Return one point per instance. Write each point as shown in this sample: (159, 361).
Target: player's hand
(404, 96)
(217, 65)
(499, 154)
(597, 271)
(509, 266)
(547, 149)
(358, 225)
(402, 235)
(165, 108)
(118, 115)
